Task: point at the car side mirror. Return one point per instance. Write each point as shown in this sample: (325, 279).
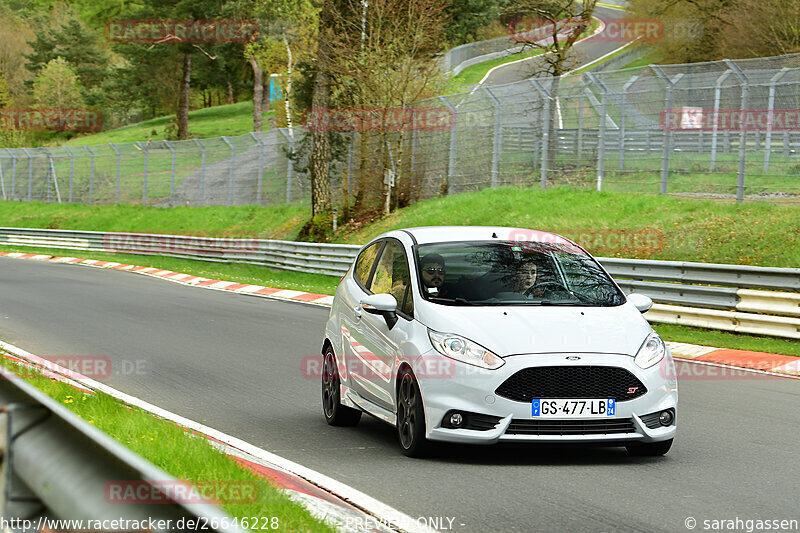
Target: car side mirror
(381, 304)
(640, 301)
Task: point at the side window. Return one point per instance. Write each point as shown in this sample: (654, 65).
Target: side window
(365, 261)
(392, 276)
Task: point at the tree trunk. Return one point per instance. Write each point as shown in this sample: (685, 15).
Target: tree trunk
(258, 94)
(321, 148)
(231, 98)
(183, 103)
(287, 90)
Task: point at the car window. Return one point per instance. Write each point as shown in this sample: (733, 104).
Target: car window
(392, 276)
(509, 273)
(365, 261)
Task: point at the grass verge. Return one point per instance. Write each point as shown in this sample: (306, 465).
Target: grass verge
(726, 339)
(179, 454)
(238, 272)
(229, 120)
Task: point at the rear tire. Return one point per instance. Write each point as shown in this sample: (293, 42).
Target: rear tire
(651, 449)
(335, 413)
(411, 416)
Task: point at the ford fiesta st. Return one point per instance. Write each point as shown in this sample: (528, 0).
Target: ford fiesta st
(484, 335)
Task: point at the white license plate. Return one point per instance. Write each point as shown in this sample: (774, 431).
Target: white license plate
(566, 408)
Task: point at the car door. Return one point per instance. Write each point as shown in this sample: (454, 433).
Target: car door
(374, 346)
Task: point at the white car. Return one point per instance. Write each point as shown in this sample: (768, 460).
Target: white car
(490, 334)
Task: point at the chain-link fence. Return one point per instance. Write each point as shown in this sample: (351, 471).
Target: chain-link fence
(723, 129)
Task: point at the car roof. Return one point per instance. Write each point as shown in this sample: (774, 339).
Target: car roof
(430, 234)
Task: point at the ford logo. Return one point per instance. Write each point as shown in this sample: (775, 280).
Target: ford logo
(573, 358)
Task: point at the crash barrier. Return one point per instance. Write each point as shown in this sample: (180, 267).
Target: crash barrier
(759, 300)
(57, 466)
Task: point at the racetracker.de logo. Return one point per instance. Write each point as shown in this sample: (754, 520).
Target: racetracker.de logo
(182, 492)
(703, 119)
(380, 119)
(181, 31)
(608, 241)
(176, 244)
(51, 119)
(530, 30)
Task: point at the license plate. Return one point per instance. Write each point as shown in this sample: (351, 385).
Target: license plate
(566, 408)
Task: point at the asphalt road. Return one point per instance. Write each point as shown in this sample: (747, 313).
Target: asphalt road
(583, 53)
(234, 362)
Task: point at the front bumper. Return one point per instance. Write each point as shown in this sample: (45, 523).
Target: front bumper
(472, 390)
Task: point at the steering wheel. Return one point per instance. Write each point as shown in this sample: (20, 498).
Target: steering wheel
(546, 286)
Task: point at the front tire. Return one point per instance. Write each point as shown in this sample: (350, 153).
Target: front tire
(335, 413)
(410, 416)
(651, 449)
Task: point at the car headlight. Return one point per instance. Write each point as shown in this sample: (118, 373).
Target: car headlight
(652, 351)
(464, 350)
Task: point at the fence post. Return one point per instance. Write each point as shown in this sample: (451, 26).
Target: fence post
(172, 172)
(233, 167)
(717, 94)
(146, 161)
(742, 129)
(580, 119)
(289, 164)
(771, 117)
(13, 173)
(601, 132)
(622, 120)
(451, 161)
(2, 181)
(55, 178)
(496, 139)
(202, 172)
(30, 172)
(668, 134)
(71, 171)
(116, 201)
(260, 167)
(91, 173)
(548, 100)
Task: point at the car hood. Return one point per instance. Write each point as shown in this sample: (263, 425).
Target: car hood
(510, 330)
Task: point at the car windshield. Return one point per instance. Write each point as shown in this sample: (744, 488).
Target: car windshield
(513, 273)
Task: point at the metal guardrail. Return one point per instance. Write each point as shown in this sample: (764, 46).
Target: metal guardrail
(57, 466)
(734, 288)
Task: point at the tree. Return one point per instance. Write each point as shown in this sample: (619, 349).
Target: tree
(58, 86)
(760, 28)
(692, 28)
(467, 17)
(382, 71)
(13, 47)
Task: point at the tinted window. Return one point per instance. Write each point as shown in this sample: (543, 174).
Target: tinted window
(392, 276)
(512, 273)
(365, 261)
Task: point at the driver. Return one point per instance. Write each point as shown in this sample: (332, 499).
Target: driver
(526, 276)
(432, 273)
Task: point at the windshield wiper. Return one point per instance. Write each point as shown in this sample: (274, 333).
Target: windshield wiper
(460, 301)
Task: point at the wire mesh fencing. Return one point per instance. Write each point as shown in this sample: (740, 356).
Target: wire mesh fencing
(721, 129)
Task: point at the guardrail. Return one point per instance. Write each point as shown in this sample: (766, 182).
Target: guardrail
(57, 466)
(708, 290)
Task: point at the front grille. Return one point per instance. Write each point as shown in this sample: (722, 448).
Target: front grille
(611, 426)
(599, 382)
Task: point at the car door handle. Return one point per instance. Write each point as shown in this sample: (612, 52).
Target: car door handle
(357, 312)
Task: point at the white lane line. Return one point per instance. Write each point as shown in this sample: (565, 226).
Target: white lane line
(341, 490)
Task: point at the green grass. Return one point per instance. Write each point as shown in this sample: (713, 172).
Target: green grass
(652, 58)
(181, 455)
(229, 120)
(279, 222)
(725, 339)
(691, 229)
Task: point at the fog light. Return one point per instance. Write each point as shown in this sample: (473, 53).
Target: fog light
(456, 420)
(666, 418)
